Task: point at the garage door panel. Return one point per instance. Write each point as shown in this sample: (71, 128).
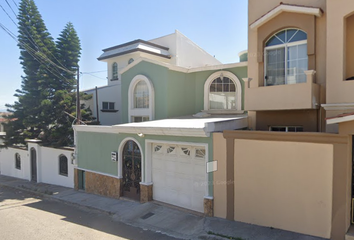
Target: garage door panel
(158, 163)
(199, 171)
(186, 168)
(196, 204)
(179, 176)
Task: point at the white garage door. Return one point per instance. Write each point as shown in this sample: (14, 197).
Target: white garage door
(179, 175)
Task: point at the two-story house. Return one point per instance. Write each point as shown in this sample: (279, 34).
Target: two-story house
(287, 65)
(174, 49)
(174, 95)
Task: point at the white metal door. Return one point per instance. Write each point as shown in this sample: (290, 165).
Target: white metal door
(179, 175)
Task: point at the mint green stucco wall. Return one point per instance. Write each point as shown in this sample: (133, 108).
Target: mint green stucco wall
(94, 149)
(176, 93)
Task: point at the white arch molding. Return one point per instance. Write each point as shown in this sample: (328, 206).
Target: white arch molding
(238, 89)
(120, 157)
(150, 112)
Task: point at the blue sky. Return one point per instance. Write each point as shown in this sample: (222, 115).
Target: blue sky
(217, 26)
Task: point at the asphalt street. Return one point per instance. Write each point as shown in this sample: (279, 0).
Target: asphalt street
(26, 216)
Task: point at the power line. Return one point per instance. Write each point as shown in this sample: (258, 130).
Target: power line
(37, 56)
(96, 71)
(93, 75)
(11, 8)
(34, 43)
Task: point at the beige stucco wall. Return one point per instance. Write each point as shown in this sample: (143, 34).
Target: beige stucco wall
(286, 185)
(316, 30)
(219, 176)
(338, 90)
(305, 118)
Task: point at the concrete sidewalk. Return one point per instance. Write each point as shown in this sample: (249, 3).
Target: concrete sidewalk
(155, 216)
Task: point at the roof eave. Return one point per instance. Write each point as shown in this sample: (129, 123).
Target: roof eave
(285, 8)
(131, 51)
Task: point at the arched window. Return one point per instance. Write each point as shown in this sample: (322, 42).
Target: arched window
(141, 99)
(17, 161)
(286, 57)
(222, 92)
(114, 71)
(141, 95)
(63, 165)
(131, 60)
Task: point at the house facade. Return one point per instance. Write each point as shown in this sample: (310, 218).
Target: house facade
(174, 50)
(287, 65)
(163, 150)
(299, 82)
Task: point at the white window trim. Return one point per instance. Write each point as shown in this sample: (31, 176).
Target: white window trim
(150, 112)
(120, 157)
(238, 91)
(284, 45)
(286, 128)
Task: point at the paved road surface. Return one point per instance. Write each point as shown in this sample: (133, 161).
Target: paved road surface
(26, 216)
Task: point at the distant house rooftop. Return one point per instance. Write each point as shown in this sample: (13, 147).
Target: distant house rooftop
(135, 46)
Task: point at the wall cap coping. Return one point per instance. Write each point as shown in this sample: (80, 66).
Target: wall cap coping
(338, 106)
(183, 69)
(209, 197)
(285, 8)
(33, 140)
(309, 137)
(146, 184)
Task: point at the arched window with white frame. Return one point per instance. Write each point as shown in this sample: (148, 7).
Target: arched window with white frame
(114, 71)
(141, 99)
(222, 92)
(286, 58)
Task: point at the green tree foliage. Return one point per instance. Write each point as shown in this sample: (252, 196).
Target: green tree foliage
(46, 101)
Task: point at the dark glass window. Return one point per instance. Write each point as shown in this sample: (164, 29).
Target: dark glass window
(17, 161)
(108, 105)
(63, 165)
(115, 71)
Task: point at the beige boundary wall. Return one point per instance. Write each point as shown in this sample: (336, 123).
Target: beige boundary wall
(293, 181)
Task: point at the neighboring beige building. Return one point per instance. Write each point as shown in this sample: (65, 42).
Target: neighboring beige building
(300, 64)
(300, 79)
(286, 65)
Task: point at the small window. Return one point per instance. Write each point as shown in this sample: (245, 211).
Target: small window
(63, 165)
(157, 148)
(171, 150)
(114, 71)
(186, 151)
(200, 153)
(108, 107)
(18, 161)
(286, 129)
(140, 118)
(130, 61)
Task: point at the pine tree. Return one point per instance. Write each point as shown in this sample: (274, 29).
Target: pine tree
(46, 102)
(36, 45)
(68, 52)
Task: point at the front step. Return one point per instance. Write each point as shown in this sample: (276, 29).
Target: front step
(350, 233)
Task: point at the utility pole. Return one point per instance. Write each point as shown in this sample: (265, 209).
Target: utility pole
(97, 111)
(78, 110)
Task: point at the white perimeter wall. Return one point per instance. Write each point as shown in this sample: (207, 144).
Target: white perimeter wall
(7, 163)
(47, 165)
